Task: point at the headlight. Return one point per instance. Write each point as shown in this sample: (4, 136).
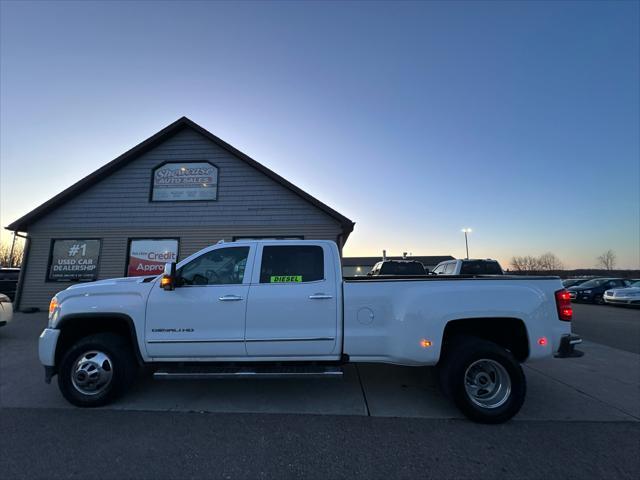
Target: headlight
(53, 311)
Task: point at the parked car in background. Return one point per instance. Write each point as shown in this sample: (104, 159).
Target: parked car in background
(9, 281)
(398, 267)
(6, 310)
(593, 290)
(572, 282)
(624, 296)
(469, 267)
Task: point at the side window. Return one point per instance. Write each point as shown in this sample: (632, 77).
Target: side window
(297, 263)
(223, 266)
(450, 268)
(438, 269)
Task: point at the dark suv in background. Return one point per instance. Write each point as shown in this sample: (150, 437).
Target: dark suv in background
(9, 281)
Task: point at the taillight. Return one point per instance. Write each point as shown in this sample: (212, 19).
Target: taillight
(563, 303)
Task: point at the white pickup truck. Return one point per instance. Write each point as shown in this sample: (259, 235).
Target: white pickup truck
(281, 308)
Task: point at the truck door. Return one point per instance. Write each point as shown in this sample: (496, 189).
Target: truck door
(292, 309)
(205, 315)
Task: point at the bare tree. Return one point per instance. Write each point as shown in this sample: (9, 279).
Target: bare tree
(526, 263)
(549, 261)
(607, 260)
(529, 263)
(6, 259)
(518, 264)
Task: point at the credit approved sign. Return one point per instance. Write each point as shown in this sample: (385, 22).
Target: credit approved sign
(148, 256)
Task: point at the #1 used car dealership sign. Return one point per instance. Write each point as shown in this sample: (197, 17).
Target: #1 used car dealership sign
(174, 182)
(74, 260)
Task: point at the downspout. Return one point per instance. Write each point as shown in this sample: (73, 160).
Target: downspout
(23, 270)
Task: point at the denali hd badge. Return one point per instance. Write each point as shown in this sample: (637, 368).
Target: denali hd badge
(172, 330)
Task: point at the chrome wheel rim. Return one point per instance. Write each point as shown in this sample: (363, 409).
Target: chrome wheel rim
(487, 383)
(92, 372)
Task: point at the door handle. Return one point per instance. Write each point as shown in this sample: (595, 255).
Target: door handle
(320, 296)
(230, 298)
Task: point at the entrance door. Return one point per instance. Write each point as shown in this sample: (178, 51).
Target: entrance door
(205, 315)
(292, 308)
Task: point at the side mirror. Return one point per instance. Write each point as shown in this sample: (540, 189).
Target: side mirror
(168, 280)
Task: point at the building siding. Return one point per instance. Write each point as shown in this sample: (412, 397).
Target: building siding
(245, 195)
(119, 207)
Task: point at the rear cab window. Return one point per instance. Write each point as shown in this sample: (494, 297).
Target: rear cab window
(480, 267)
(292, 264)
(402, 268)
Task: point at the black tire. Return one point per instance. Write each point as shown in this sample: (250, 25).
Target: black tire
(599, 299)
(122, 365)
(460, 354)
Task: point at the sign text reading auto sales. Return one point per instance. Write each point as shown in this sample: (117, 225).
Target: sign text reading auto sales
(185, 181)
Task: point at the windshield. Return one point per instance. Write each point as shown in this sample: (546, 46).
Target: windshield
(596, 282)
(635, 284)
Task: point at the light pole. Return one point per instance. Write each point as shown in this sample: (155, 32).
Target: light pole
(466, 241)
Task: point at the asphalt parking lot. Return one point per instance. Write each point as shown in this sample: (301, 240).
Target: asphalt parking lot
(596, 396)
(617, 327)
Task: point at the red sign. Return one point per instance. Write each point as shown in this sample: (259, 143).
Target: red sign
(147, 257)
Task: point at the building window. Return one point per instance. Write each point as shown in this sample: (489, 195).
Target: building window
(289, 264)
(184, 181)
(74, 260)
(147, 256)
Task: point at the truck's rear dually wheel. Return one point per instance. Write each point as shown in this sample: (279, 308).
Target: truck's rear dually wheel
(96, 370)
(483, 379)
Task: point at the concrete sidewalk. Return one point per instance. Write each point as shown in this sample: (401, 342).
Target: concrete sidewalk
(604, 385)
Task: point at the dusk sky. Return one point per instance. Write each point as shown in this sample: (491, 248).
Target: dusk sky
(414, 119)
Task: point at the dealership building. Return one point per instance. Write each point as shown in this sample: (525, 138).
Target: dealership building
(177, 192)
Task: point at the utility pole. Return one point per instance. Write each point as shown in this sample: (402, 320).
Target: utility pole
(466, 240)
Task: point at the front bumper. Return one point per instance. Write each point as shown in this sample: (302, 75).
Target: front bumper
(47, 351)
(622, 300)
(47, 346)
(567, 347)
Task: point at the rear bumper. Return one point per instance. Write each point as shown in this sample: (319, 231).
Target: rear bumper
(6, 313)
(567, 347)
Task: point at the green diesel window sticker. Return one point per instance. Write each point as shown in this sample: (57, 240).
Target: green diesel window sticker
(285, 278)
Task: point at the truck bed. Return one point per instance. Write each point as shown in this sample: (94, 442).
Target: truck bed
(435, 278)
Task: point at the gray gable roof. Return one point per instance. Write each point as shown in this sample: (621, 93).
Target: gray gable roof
(23, 223)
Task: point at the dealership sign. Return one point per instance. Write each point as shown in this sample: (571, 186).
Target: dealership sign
(175, 182)
(147, 257)
(74, 260)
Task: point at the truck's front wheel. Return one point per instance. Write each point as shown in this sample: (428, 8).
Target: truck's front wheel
(96, 370)
(483, 379)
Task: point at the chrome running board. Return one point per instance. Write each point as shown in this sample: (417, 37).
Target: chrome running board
(209, 372)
